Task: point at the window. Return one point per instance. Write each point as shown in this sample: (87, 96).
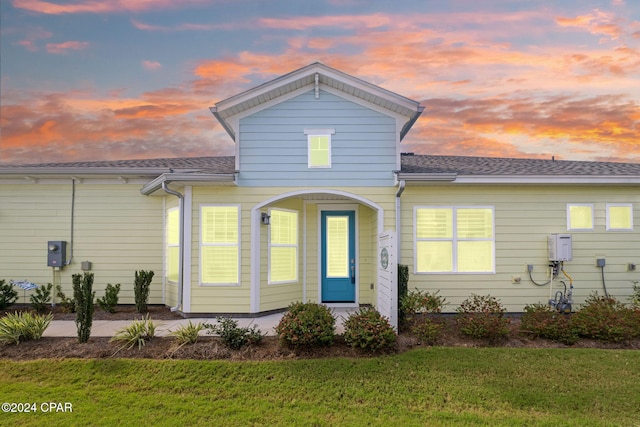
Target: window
(454, 240)
(219, 245)
(173, 244)
(580, 217)
(619, 217)
(319, 147)
(283, 246)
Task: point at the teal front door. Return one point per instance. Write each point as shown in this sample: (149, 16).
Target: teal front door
(338, 263)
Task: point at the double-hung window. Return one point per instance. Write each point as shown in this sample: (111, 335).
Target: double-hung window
(454, 240)
(319, 147)
(219, 245)
(283, 246)
(173, 244)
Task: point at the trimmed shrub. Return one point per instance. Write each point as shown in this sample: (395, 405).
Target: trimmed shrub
(8, 295)
(188, 334)
(421, 302)
(109, 302)
(482, 316)
(138, 332)
(141, 288)
(542, 321)
(41, 297)
(307, 325)
(369, 331)
(83, 295)
(635, 296)
(23, 326)
(422, 310)
(604, 318)
(68, 304)
(428, 330)
(234, 337)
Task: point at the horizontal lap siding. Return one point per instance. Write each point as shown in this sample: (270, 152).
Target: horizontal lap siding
(273, 146)
(115, 228)
(524, 217)
(236, 299)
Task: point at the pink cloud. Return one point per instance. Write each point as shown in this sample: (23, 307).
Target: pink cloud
(151, 65)
(99, 6)
(66, 46)
(182, 27)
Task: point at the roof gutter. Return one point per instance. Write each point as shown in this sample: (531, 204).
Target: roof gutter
(401, 187)
(520, 179)
(180, 243)
(157, 184)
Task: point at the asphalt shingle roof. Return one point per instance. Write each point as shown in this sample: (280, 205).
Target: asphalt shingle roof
(411, 164)
(463, 165)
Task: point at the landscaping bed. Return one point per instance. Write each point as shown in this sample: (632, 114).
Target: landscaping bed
(212, 347)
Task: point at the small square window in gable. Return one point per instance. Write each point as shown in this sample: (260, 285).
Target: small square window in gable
(319, 147)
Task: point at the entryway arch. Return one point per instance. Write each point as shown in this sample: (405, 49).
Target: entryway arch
(256, 218)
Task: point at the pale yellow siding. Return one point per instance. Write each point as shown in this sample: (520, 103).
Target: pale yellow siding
(115, 228)
(236, 299)
(524, 216)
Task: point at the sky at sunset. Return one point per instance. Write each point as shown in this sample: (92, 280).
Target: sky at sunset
(129, 79)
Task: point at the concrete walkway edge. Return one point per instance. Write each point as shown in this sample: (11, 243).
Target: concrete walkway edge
(108, 328)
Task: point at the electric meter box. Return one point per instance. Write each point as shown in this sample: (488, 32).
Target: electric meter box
(559, 247)
(56, 253)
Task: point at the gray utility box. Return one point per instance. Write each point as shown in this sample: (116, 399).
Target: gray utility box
(560, 247)
(56, 253)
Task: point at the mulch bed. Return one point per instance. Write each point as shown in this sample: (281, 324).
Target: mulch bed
(212, 348)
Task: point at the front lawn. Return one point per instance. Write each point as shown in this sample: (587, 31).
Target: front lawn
(431, 386)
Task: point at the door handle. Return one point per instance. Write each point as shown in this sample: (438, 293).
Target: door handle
(353, 274)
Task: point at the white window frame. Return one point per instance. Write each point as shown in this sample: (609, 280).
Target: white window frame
(619, 205)
(171, 245)
(570, 227)
(454, 240)
(237, 245)
(311, 133)
(296, 246)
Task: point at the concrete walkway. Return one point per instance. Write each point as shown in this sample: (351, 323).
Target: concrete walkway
(108, 328)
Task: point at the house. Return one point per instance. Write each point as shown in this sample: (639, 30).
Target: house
(320, 204)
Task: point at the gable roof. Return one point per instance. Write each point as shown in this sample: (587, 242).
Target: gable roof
(306, 78)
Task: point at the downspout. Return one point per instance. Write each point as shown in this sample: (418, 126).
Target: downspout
(73, 205)
(180, 243)
(401, 186)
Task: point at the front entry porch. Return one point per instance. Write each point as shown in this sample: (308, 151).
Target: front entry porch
(332, 259)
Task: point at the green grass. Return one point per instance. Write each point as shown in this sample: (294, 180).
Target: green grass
(436, 386)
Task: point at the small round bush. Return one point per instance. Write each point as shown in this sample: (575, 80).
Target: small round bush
(604, 318)
(368, 330)
(482, 316)
(541, 321)
(428, 330)
(307, 325)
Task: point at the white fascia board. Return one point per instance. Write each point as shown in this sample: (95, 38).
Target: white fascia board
(371, 88)
(548, 179)
(186, 178)
(365, 103)
(80, 171)
(519, 179)
(310, 71)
